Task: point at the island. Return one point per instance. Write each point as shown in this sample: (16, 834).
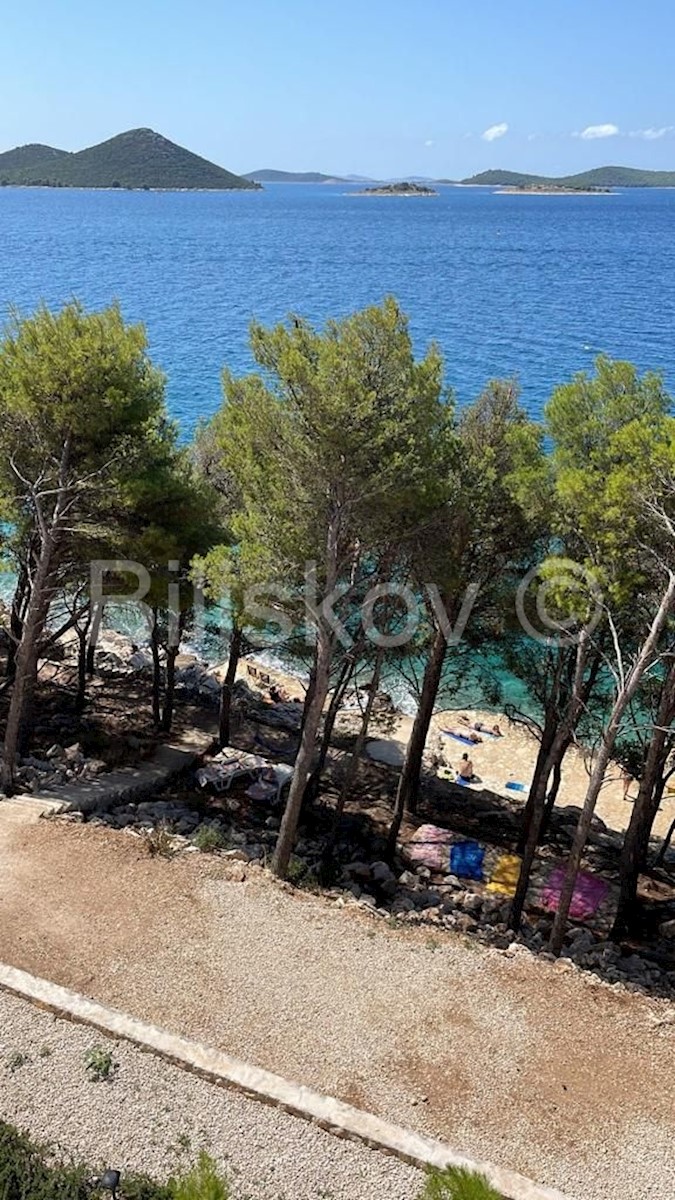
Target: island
(600, 180)
(138, 159)
(398, 189)
(552, 189)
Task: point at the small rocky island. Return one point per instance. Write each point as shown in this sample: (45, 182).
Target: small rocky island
(399, 189)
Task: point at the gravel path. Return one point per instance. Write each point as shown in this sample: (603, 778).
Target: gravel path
(517, 1061)
(153, 1117)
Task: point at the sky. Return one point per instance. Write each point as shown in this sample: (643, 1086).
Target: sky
(439, 88)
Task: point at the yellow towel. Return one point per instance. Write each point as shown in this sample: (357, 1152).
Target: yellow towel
(505, 875)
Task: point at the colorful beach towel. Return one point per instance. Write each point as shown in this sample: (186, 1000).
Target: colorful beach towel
(430, 845)
(505, 875)
(466, 860)
(589, 893)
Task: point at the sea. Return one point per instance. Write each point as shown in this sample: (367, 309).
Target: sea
(529, 287)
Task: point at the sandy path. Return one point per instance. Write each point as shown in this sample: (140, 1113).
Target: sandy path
(509, 1059)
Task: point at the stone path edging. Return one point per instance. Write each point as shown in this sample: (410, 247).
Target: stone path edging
(133, 783)
(330, 1114)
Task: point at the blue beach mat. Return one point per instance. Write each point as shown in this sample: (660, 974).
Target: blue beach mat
(515, 787)
(466, 860)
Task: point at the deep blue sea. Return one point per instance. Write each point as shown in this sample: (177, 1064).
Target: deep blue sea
(525, 286)
(508, 285)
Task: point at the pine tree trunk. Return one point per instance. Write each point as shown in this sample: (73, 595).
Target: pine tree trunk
(661, 856)
(645, 808)
(81, 695)
(409, 781)
(553, 790)
(94, 634)
(19, 717)
(227, 686)
(156, 671)
(16, 618)
(625, 696)
(565, 729)
(353, 764)
(543, 756)
(169, 689)
(309, 694)
(305, 756)
(314, 781)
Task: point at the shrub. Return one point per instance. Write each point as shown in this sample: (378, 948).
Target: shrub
(29, 1171)
(209, 838)
(201, 1183)
(159, 841)
(456, 1183)
(100, 1064)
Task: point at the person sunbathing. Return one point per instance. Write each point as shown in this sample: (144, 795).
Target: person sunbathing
(467, 735)
(495, 731)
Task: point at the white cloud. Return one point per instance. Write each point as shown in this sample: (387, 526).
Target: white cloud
(429, 142)
(591, 132)
(652, 135)
(494, 132)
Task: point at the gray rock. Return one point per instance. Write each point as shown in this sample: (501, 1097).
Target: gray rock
(359, 871)
(667, 929)
(382, 873)
(407, 878)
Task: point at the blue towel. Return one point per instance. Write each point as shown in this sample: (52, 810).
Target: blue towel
(516, 787)
(466, 860)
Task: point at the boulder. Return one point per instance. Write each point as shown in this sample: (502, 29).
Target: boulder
(381, 873)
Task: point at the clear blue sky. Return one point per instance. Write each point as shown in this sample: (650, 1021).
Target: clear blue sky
(376, 87)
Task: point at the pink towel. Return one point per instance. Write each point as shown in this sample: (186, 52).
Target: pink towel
(430, 845)
(589, 893)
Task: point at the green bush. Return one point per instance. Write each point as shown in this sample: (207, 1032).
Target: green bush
(201, 1183)
(29, 1171)
(455, 1183)
(209, 838)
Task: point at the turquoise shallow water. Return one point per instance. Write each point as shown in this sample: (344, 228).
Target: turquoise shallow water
(531, 286)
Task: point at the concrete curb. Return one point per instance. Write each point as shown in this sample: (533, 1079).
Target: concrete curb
(332, 1115)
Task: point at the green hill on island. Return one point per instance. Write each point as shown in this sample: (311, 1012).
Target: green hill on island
(600, 177)
(139, 158)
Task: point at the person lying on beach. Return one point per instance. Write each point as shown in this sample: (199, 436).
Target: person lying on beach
(465, 771)
(467, 735)
(493, 730)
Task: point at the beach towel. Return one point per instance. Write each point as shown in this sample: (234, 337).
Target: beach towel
(589, 893)
(466, 860)
(505, 875)
(466, 741)
(430, 846)
(515, 787)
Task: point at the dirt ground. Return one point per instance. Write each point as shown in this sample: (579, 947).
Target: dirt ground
(508, 1058)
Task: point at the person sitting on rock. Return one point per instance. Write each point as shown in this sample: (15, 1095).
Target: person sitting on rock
(465, 771)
